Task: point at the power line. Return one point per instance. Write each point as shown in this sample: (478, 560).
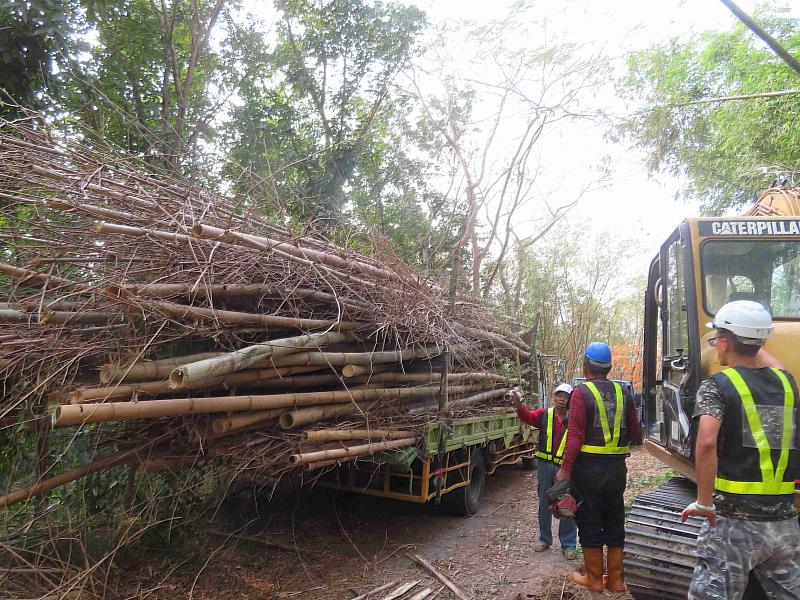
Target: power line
(768, 39)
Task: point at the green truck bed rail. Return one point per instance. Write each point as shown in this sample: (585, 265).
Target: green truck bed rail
(460, 433)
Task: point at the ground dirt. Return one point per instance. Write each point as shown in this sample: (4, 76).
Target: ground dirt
(336, 545)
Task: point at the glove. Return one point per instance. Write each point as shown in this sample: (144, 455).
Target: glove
(562, 504)
(565, 508)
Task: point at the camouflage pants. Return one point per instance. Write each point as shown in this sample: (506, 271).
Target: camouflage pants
(728, 552)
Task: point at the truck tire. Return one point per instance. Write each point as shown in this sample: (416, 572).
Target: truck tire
(465, 500)
(529, 464)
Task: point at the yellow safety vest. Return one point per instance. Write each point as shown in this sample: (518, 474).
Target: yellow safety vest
(548, 453)
(772, 483)
(611, 445)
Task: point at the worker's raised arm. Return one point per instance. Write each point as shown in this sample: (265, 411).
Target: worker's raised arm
(531, 417)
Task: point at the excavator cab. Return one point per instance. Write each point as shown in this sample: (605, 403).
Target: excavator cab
(705, 263)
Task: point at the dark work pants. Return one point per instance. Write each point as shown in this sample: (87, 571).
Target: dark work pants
(599, 484)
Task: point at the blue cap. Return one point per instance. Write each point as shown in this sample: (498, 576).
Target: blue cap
(599, 354)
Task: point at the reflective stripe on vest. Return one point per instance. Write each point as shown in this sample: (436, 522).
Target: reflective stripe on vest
(772, 483)
(611, 439)
(548, 454)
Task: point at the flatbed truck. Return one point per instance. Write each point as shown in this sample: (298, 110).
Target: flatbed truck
(449, 466)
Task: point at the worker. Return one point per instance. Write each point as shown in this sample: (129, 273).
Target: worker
(602, 421)
(746, 459)
(552, 426)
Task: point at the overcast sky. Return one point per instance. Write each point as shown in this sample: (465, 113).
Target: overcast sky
(635, 205)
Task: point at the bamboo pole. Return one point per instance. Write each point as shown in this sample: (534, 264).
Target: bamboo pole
(470, 400)
(326, 258)
(327, 435)
(154, 388)
(213, 290)
(91, 210)
(10, 315)
(127, 196)
(26, 276)
(438, 574)
(42, 487)
(310, 457)
(60, 317)
(250, 241)
(229, 317)
(149, 369)
(359, 358)
(306, 416)
(377, 590)
(170, 236)
(79, 414)
(246, 357)
(240, 421)
(356, 370)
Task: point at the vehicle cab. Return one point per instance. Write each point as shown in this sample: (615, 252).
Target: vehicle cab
(705, 263)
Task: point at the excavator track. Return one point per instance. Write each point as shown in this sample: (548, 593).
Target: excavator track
(659, 549)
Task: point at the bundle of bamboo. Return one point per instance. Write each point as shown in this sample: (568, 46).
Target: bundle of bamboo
(135, 298)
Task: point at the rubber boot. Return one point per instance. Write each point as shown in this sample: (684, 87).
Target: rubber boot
(615, 582)
(593, 565)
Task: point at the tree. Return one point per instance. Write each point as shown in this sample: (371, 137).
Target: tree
(320, 114)
(38, 41)
(492, 119)
(576, 296)
(728, 150)
(154, 83)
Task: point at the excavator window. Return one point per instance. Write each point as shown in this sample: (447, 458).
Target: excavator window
(764, 271)
(678, 325)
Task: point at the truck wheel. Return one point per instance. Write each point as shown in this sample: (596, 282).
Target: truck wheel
(465, 500)
(529, 464)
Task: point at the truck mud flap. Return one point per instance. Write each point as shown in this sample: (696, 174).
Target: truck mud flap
(659, 549)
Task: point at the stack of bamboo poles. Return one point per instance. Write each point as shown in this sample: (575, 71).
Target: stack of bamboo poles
(200, 328)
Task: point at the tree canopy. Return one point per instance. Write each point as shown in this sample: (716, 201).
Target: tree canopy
(728, 150)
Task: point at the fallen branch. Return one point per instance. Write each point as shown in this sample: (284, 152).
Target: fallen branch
(438, 574)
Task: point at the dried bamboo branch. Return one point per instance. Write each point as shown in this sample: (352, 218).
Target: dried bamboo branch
(363, 450)
(78, 414)
(246, 357)
(327, 435)
(149, 369)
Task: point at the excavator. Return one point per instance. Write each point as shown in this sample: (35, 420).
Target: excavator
(703, 264)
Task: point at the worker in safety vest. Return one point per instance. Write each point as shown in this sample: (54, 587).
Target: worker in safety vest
(602, 420)
(552, 426)
(746, 458)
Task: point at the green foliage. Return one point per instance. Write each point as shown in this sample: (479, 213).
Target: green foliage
(317, 119)
(38, 44)
(731, 150)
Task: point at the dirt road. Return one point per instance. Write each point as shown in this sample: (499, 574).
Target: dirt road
(330, 545)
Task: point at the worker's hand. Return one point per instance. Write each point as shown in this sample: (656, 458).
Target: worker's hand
(562, 475)
(698, 510)
(514, 398)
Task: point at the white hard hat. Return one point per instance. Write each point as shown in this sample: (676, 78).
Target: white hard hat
(563, 387)
(746, 319)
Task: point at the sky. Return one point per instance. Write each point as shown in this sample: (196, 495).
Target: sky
(634, 205)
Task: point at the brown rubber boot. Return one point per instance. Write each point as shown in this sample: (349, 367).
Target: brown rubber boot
(615, 582)
(593, 565)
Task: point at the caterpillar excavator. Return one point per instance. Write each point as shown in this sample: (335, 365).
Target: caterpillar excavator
(703, 264)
